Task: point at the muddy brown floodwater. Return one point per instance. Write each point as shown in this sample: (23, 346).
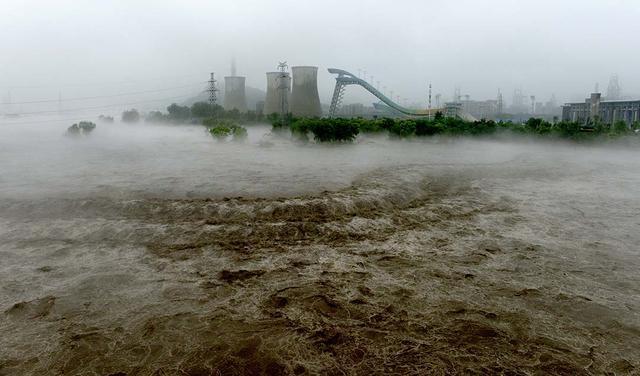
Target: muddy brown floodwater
(157, 251)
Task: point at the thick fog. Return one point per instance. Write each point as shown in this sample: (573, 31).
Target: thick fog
(66, 49)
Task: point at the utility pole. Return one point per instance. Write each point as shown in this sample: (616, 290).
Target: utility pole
(213, 97)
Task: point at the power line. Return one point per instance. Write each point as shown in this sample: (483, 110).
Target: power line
(101, 107)
(103, 96)
(99, 84)
(43, 121)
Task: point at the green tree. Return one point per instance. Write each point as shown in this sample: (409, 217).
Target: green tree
(232, 114)
(538, 126)
(156, 117)
(403, 128)
(177, 112)
(204, 110)
(568, 129)
(620, 127)
(428, 128)
(333, 130)
(131, 116)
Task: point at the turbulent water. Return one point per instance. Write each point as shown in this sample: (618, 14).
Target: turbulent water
(155, 250)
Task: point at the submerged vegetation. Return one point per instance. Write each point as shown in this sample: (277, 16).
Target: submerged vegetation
(327, 130)
(222, 129)
(105, 118)
(346, 130)
(81, 128)
(131, 116)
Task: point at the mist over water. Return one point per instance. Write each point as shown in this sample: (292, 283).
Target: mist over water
(146, 160)
(151, 249)
(146, 247)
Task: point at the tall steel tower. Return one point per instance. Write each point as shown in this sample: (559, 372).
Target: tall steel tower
(212, 90)
(429, 108)
(284, 85)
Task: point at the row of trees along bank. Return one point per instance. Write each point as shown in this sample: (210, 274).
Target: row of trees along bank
(346, 130)
(193, 114)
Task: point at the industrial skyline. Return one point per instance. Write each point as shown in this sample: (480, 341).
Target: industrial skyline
(234, 97)
(478, 46)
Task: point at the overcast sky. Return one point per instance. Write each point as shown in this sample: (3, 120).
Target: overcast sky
(544, 47)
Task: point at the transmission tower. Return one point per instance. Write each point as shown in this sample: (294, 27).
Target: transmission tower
(429, 107)
(283, 87)
(212, 90)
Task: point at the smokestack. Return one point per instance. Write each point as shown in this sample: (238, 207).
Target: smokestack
(234, 94)
(305, 100)
(278, 85)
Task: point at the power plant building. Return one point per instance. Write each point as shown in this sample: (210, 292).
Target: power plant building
(606, 111)
(278, 93)
(234, 94)
(305, 100)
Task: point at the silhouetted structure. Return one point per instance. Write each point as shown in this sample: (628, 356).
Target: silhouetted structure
(607, 111)
(305, 100)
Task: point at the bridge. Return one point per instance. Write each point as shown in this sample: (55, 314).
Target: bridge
(345, 79)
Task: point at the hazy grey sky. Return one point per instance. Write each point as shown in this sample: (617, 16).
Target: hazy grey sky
(545, 47)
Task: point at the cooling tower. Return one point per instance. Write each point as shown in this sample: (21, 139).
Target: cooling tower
(305, 100)
(234, 95)
(278, 92)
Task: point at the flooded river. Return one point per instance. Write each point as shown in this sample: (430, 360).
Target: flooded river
(155, 250)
